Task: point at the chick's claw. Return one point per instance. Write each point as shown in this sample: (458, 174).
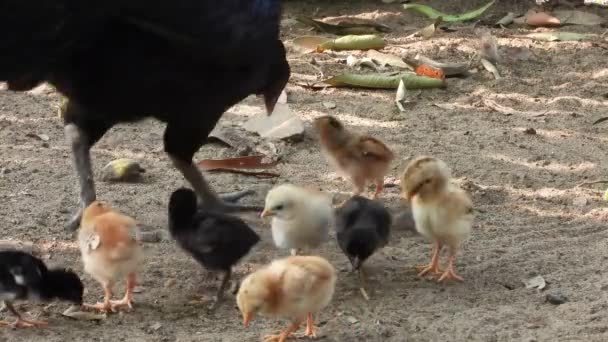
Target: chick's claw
(431, 269)
(101, 307)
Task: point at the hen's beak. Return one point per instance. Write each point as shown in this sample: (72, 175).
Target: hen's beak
(247, 317)
(266, 213)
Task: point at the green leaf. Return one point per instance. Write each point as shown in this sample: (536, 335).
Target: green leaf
(384, 81)
(309, 43)
(605, 197)
(434, 14)
(353, 42)
(559, 36)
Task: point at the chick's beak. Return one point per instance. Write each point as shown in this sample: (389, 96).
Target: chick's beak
(247, 317)
(266, 213)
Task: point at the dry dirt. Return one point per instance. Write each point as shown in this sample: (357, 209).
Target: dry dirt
(532, 218)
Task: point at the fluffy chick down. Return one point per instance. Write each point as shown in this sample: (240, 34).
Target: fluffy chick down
(295, 287)
(443, 212)
(300, 217)
(359, 157)
(110, 247)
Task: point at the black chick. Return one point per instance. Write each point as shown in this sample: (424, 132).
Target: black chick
(216, 240)
(362, 227)
(23, 277)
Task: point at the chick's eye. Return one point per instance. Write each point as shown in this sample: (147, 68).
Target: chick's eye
(427, 181)
(278, 207)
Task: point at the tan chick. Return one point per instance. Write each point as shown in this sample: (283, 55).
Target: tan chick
(296, 287)
(442, 211)
(110, 251)
(359, 157)
(300, 217)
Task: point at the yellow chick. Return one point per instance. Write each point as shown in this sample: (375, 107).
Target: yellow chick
(360, 157)
(300, 217)
(442, 211)
(110, 251)
(296, 287)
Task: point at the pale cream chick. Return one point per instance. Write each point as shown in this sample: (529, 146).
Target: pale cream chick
(300, 217)
(358, 157)
(442, 211)
(110, 251)
(296, 288)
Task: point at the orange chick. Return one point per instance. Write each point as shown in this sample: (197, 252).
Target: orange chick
(296, 287)
(442, 211)
(359, 157)
(110, 251)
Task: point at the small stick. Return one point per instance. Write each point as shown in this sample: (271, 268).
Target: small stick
(593, 183)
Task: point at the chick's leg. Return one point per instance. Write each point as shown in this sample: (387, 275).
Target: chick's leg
(219, 296)
(379, 187)
(106, 306)
(310, 326)
(433, 267)
(450, 272)
(128, 299)
(282, 337)
(20, 322)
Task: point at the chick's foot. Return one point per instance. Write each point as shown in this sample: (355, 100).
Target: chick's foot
(23, 323)
(450, 273)
(101, 307)
(430, 269)
(284, 335)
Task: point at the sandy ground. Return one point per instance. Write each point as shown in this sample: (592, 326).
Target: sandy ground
(532, 218)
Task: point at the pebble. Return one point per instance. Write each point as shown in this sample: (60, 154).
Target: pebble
(556, 298)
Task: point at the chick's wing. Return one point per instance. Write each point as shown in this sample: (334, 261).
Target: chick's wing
(373, 148)
(114, 235)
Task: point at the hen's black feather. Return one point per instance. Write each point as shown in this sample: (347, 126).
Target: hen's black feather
(217, 241)
(183, 62)
(23, 276)
(362, 227)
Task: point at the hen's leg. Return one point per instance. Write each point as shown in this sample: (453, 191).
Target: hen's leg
(210, 200)
(20, 322)
(433, 267)
(82, 133)
(182, 140)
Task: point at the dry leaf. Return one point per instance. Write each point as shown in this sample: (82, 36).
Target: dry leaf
(506, 20)
(491, 68)
(345, 25)
(400, 96)
(567, 17)
(122, 170)
(537, 282)
(282, 124)
(385, 59)
(230, 136)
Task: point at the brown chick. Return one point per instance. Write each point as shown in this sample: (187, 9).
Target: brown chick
(296, 287)
(358, 157)
(442, 211)
(110, 251)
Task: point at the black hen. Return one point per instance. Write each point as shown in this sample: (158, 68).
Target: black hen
(362, 227)
(183, 62)
(23, 277)
(216, 240)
